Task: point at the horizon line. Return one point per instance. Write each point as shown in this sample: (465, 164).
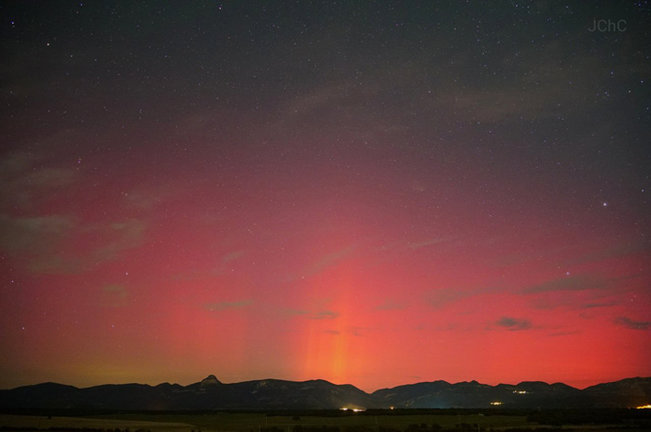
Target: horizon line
(321, 379)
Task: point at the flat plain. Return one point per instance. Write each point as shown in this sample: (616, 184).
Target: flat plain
(246, 422)
(298, 422)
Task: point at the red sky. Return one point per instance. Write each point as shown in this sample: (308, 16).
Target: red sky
(386, 221)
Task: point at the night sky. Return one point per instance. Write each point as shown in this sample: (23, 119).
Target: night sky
(374, 193)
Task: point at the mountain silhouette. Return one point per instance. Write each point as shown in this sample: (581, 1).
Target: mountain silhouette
(273, 394)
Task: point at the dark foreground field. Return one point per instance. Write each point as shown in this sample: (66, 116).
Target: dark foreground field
(333, 421)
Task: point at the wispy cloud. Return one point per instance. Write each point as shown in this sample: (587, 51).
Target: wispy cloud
(33, 234)
(598, 304)
(232, 256)
(353, 330)
(390, 305)
(328, 260)
(41, 241)
(573, 301)
(579, 292)
(427, 242)
(228, 305)
(632, 324)
(24, 182)
(114, 295)
(120, 236)
(617, 251)
(570, 283)
(359, 331)
(443, 296)
(513, 324)
(38, 242)
(545, 79)
(227, 258)
(322, 314)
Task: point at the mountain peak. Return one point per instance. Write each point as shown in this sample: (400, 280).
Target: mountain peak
(269, 394)
(210, 380)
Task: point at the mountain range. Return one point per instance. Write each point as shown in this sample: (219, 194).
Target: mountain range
(272, 394)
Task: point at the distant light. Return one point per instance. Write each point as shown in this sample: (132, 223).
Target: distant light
(392, 407)
(647, 406)
(520, 391)
(496, 403)
(352, 409)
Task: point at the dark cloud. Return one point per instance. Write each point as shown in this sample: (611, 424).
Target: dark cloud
(513, 324)
(569, 283)
(359, 331)
(579, 292)
(599, 304)
(323, 314)
(632, 324)
(442, 297)
(573, 301)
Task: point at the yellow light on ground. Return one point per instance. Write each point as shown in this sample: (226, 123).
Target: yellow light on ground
(496, 403)
(352, 409)
(647, 406)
